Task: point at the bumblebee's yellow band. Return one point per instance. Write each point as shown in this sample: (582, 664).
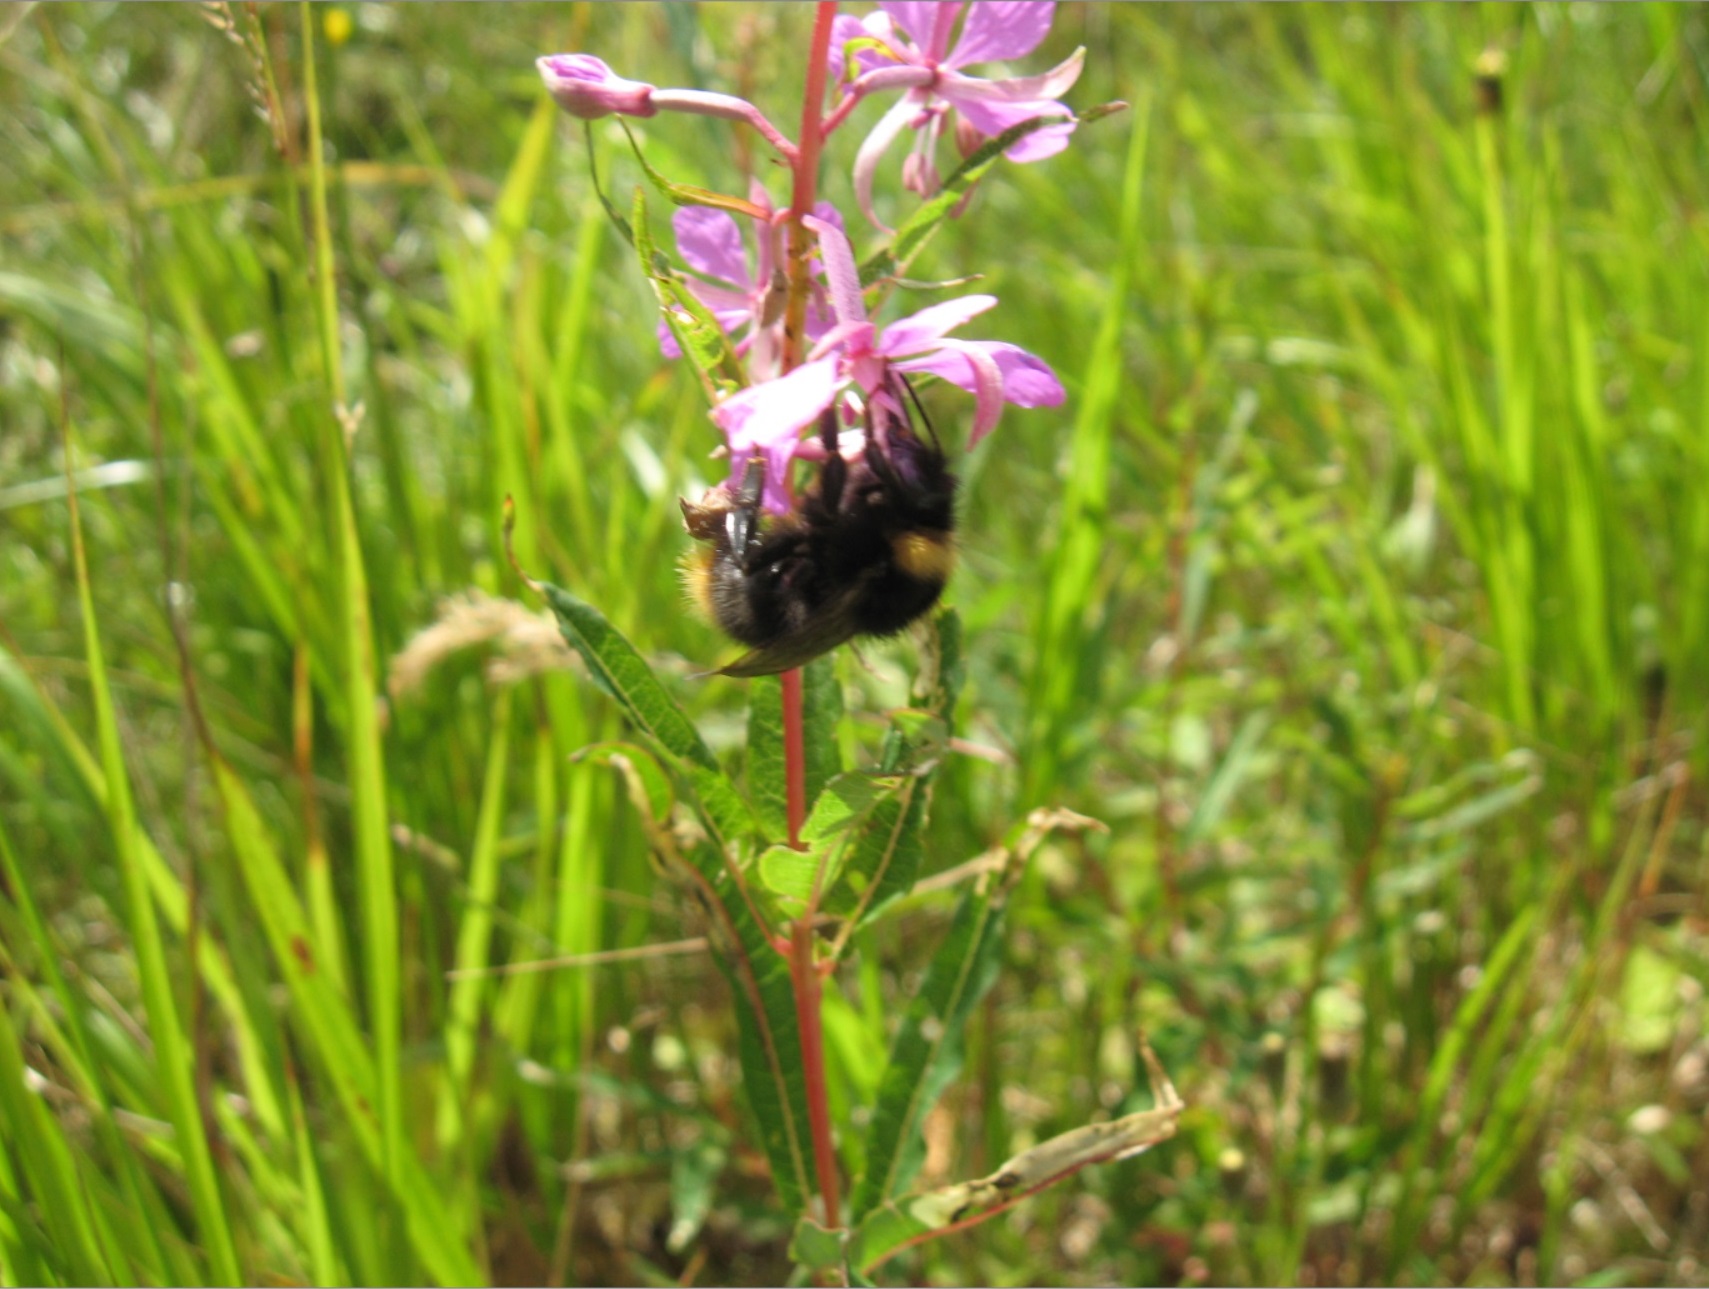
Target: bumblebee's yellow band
(929, 556)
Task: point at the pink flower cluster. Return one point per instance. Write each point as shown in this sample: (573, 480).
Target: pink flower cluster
(921, 50)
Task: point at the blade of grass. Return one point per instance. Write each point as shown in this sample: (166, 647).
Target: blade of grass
(172, 1052)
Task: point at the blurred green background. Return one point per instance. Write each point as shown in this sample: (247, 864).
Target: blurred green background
(1361, 587)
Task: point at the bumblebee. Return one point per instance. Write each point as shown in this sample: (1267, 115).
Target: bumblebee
(867, 551)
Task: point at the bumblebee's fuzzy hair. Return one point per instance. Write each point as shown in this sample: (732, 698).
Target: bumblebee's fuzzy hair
(867, 551)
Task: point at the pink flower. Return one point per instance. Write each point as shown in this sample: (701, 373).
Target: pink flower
(913, 53)
(586, 88)
(768, 418)
(745, 301)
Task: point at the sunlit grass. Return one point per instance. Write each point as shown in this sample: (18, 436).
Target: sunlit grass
(1362, 589)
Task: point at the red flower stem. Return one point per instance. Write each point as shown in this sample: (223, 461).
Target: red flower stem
(840, 113)
(806, 182)
(804, 974)
(803, 970)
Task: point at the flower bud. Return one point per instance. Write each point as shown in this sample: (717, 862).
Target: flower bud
(585, 87)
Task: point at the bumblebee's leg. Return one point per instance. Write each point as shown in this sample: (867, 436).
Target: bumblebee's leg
(835, 471)
(876, 458)
(741, 524)
(920, 407)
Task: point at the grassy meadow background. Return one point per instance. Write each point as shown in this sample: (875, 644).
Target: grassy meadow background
(1361, 588)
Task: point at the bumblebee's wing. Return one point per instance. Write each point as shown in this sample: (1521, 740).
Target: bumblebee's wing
(823, 632)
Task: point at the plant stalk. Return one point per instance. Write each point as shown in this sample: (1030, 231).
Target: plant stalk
(803, 970)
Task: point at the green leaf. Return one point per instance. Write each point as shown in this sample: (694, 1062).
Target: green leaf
(789, 872)
(611, 211)
(821, 714)
(35, 1140)
(618, 669)
(474, 935)
(1229, 775)
(927, 1051)
(772, 1074)
(886, 851)
(694, 1177)
(173, 1053)
(682, 194)
(923, 224)
(883, 852)
(641, 768)
(890, 1227)
(845, 800)
(815, 1247)
(766, 775)
(697, 332)
(329, 1029)
(821, 719)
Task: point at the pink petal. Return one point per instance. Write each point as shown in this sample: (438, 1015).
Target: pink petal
(1050, 85)
(920, 20)
(1024, 379)
(991, 119)
(979, 374)
(769, 418)
(873, 147)
(585, 87)
(841, 274)
(1046, 141)
(921, 331)
(826, 213)
(1028, 380)
(998, 30)
(710, 243)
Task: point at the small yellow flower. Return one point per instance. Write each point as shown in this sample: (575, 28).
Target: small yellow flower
(337, 26)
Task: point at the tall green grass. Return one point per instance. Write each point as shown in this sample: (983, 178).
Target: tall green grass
(1362, 589)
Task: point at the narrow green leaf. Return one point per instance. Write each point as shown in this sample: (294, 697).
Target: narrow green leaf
(58, 741)
(648, 775)
(1227, 778)
(474, 934)
(1065, 649)
(845, 800)
(697, 332)
(821, 715)
(821, 719)
(516, 197)
(611, 211)
(1471, 813)
(766, 780)
(694, 1179)
(920, 227)
(815, 1247)
(173, 1056)
(888, 1228)
(621, 672)
(883, 852)
(772, 1074)
(789, 872)
(35, 1141)
(330, 1028)
(682, 194)
(927, 1052)
(376, 892)
(317, 1232)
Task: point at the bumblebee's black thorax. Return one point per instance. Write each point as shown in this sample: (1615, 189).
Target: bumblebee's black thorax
(867, 552)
